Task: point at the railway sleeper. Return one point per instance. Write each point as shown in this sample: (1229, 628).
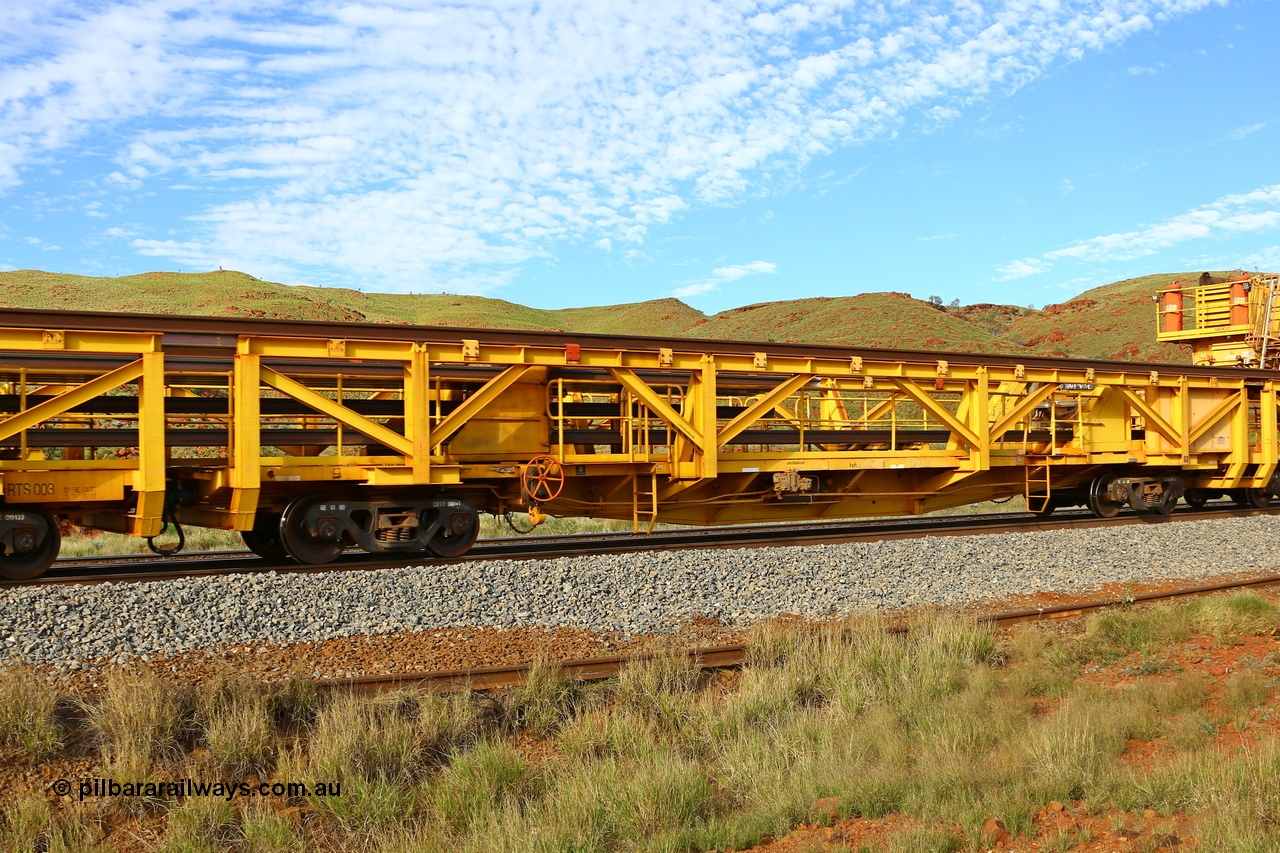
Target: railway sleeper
(316, 529)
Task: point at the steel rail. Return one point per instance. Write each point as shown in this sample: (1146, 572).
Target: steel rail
(212, 334)
(142, 568)
(725, 656)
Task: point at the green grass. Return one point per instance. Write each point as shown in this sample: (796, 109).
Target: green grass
(947, 725)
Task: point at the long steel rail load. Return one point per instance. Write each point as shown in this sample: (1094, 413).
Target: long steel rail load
(313, 437)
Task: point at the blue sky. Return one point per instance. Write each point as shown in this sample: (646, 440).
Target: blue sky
(578, 153)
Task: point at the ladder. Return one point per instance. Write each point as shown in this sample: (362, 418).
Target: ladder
(644, 504)
(1037, 486)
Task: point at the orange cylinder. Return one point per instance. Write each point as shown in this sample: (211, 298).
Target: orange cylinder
(1172, 304)
(1239, 304)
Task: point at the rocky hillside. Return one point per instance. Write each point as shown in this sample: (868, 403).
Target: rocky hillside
(1115, 321)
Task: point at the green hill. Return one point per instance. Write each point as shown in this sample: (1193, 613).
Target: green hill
(1116, 321)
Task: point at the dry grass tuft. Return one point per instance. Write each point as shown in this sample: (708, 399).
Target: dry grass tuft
(27, 709)
(140, 718)
(236, 720)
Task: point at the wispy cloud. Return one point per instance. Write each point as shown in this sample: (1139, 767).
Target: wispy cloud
(724, 275)
(1019, 269)
(441, 146)
(1238, 213)
(1247, 130)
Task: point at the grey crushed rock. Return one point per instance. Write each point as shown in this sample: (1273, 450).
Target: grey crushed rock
(627, 593)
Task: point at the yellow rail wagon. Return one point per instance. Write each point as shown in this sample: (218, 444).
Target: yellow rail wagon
(311, 438)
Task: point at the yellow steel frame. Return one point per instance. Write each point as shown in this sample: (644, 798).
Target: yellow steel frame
(1123, 416)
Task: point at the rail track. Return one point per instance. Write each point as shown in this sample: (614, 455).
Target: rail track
(150, 568)
(729, 656)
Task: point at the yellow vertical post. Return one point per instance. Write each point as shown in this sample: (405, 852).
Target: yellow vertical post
(149, 485)
(833, 412)
(980, 392)
(1269, 427)
(705, 421)
(1182, 412)
(246, 437)
(1239, 455)
(417, 412)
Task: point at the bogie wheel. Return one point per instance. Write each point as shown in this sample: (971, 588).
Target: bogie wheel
(543, 479)
(1195, 498)
(1251, 498)
(18, 565)
(1099, 503)
(299, 542)
(264, 539)
(456, 536)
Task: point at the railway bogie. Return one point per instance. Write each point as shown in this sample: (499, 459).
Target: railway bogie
(312, 438)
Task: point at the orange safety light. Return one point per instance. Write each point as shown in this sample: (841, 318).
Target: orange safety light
(1173, 308)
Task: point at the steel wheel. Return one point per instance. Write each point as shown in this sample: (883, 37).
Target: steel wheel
(456, 536)
(299, 542)
(20, 566)
(1195, 498)
(264, 539)
(1251, 498)
(1099, 503)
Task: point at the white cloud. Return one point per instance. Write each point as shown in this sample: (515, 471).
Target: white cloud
(1067, 187)
(724, 275)
(417, 147)
(604, 244)
(1247, 130)
(1238, 213)
(1019, 269)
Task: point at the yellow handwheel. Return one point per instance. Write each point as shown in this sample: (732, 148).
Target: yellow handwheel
(543, 479)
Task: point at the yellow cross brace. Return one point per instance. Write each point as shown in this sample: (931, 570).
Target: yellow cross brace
(70, 399)
(338, 412)
(656, 404)
(1219, 412)
(1150, 416)
(761, 407)
(1020, 411)
(939, 411)
(458, 418)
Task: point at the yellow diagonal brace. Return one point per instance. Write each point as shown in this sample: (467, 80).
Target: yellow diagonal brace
(1210, 420)
(1150, 416)
(656, 404)
(339, 413)
(939, 411)
(877, 411)
(1020, 411)
(458, 418)
(762, 406)
(70, 399)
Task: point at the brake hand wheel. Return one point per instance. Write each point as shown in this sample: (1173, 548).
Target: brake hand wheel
(543, 479)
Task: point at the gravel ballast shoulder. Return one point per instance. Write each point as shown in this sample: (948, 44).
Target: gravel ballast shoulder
(65, 626)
